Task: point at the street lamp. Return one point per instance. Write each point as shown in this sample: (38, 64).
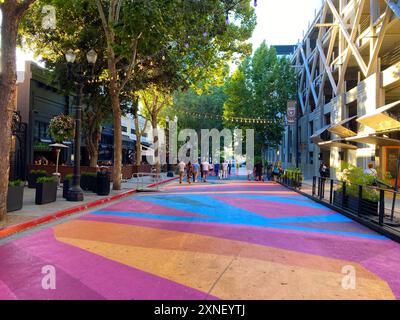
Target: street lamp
(80, 78)
(169, 171)
(169, 167)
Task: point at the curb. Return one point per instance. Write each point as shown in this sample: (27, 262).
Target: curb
(8, 231)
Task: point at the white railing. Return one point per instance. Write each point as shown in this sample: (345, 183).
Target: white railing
(148, 181)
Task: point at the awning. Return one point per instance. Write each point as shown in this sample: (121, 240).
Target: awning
(375, 140)
(316, 137)
(380, 120)
(336, 144)
(341, 130)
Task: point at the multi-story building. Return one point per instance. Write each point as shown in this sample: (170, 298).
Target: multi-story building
(348, 67)
(38, 102)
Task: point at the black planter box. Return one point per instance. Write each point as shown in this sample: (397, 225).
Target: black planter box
(338, 200)
(88, 183)
(103, 184)
(32, 177)
(46, 192)
(66, 186)
(367, 207)
(352, 204)
(15, 198)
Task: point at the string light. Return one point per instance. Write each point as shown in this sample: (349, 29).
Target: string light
(228, 119)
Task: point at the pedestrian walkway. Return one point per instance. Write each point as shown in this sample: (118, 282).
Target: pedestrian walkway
(32, 211)
(221, 240)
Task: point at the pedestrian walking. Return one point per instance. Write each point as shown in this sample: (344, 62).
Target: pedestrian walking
(189, 172)
(206, 168)
(269, 171)
(276, 171)
(249, 173)
(181, 168)
(322, 170)
(225, 168)
(216, 169)
(196, 171)
(237, 167)
(229, 167)
(259, 171)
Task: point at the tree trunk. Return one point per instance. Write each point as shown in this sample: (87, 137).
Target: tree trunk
(92, 139)
(154, 125)
(138, 139)
(8, 89)
(117, 114)
(96, 141)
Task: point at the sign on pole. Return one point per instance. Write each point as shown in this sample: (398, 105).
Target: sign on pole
(291, 112)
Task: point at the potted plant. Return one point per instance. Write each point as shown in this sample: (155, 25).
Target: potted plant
(15, 195)
(33, 175)
(67, 184)
(88, 181)
(61, 128)
(46, 190)
(294, 177)
(354, 178)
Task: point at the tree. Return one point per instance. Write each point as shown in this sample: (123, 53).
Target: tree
(139, 131)
(96, 113)
(260, 89)
(77, 27)
(172, 44)
(155, 101)
(12, 13)
(198, 111)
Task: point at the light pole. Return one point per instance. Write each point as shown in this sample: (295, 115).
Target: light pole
(170, 173)
(80, 78)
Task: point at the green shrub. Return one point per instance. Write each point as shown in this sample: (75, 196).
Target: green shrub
(15, 183)
(38, 172)
(89, 174)
(69, 177)
(46, 179)
(292, 174)
(355, 177)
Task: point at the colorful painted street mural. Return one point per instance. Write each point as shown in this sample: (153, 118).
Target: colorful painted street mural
(221, 240)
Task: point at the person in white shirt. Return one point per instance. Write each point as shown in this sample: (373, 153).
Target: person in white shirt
(181, 167)
(225, 169)
(371, 170)
(206, 168)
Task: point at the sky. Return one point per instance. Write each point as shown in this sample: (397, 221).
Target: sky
(279, 22)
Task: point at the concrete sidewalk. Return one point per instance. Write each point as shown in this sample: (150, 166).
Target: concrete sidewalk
(32, 211)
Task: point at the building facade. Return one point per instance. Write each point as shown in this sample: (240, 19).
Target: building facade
(348, 67)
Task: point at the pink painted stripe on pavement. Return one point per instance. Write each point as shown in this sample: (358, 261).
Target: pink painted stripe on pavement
(140, 206)
(271, 209)
(81, 274)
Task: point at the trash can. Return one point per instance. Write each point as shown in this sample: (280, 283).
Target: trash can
(103, 183)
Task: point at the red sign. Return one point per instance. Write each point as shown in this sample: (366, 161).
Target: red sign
(291, 112)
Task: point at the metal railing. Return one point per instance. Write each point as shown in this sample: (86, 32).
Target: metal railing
(367, 202)
(148, 181)
(294, 181)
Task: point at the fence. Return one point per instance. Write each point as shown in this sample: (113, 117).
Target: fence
(294, 180)
(148, 181)
(374, 206)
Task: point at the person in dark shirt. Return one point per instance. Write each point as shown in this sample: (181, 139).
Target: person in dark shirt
(259, 171)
